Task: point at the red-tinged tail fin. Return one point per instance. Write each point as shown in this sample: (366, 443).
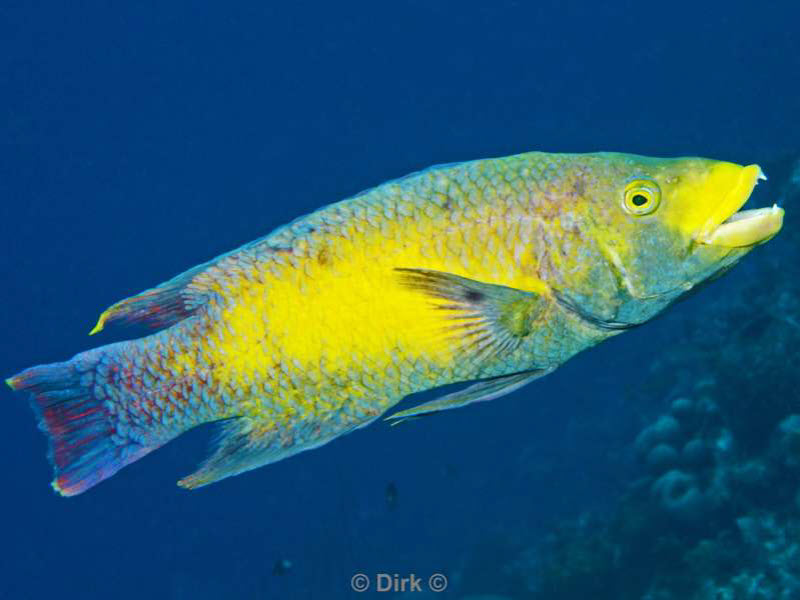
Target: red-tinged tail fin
(85, 446)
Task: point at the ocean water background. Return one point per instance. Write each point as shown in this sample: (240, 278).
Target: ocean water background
(141, 139)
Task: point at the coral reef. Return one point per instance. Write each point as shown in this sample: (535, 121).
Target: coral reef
(716, 512)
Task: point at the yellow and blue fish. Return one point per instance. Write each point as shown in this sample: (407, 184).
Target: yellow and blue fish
(494, 271)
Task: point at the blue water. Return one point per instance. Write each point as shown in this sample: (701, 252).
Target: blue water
(139, 139)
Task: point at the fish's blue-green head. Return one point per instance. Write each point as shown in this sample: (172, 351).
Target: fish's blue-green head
(658, 228)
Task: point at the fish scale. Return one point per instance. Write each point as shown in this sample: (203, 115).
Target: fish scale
(494, 270)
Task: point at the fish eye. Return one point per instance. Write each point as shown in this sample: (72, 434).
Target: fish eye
(642, 197)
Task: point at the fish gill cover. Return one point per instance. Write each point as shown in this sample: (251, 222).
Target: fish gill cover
(140, 140)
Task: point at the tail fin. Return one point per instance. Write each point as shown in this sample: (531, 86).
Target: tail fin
(85, 447)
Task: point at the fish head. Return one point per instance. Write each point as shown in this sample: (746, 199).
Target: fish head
(664, 226)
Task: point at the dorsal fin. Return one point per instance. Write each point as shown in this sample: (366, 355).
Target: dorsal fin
(181, 296)
(158, 307)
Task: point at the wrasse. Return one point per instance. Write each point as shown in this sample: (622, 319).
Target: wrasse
(493, 271)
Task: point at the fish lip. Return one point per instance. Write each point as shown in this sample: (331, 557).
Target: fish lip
(730, 227)
(747, 228)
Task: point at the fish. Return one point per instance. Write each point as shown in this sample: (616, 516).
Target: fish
(282, 566)
(391, 495)
(490, 273)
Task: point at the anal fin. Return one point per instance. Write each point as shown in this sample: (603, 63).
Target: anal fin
(240, 447)
(243, 445)
(482, 391)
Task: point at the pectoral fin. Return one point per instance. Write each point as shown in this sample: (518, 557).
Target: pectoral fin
(484, 319)
(478, 392)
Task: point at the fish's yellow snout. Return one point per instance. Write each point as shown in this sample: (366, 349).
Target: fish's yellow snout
(709, 208)
(728, 226)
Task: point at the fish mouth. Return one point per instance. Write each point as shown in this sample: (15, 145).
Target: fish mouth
(729, 227)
